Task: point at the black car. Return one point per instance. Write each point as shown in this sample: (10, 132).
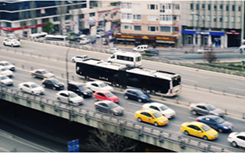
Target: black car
(80, 89)
(53, 84)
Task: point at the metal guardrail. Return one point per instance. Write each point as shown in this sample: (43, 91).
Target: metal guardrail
(161, 135)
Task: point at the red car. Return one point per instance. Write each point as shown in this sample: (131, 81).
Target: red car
(105, 95)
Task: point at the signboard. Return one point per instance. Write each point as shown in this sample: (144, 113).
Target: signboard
(214, 33)
(73, 146)
(166, 38)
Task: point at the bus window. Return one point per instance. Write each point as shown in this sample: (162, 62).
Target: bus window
(113, 56)
(138, 59)
(176, 81)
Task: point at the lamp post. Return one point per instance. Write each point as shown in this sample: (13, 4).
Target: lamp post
(67, 82)
(198, 25)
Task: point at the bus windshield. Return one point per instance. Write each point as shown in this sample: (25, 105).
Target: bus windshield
(176, 81)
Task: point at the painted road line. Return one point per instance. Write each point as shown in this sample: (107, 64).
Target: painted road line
(236, 89)
(175, 124)
(189, 80)
(134, 104)
(129, 112)
(192, 118)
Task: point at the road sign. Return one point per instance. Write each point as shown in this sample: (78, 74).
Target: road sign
(73, 146)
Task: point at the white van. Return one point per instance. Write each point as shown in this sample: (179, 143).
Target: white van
(241, 49)
(38, 35)
(127, 58)
(141, 48)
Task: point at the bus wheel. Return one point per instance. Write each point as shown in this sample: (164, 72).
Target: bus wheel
(86, 78)
(144, 89)
(114, 84)
(153, 92)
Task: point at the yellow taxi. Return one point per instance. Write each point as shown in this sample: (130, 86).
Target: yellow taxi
(151, 116)
(199, 129)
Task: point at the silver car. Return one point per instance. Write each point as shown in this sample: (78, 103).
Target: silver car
(205, 109)
(110, 107)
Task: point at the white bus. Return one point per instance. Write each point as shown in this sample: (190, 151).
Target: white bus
(56, 38)
(127, 58)
(38, 35)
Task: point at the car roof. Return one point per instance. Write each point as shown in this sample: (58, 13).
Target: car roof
(242, 133)
(105, 101)
(156, 104)
(28, 83)
(75, 83)
(4, 62)
(196, 123)
(103, 91)
(40, 70)
(133, 89)
(148, 111)
(65, 91)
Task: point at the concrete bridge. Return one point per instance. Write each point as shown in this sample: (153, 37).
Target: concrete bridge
(170, 141)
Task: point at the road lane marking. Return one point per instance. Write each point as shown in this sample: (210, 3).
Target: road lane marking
(129, 112)
(134, 104)
(4, 149)
(189, 80)
(236, 89)
(192, 118)
(175, 124)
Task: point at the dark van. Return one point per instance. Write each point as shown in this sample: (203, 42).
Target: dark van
(80, 89)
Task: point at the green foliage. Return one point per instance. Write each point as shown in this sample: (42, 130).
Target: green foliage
(49, 27)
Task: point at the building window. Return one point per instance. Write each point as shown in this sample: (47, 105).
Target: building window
(209, 7)
(239, 19)
(165, 17)
(226, 19)
(168, 6)
(239, 8)
(197, 18)
(137, 17)
(203, 6)
(220, 19)
(209, 18)
(55, 19)
(232, 19)
(233, 8)
(136, 6)
(197, 6)
(176, 6)
(152, 17)
(175, 18)
(92, 14)
(221, 7)
(152, 6)
(227, 7)
(175, 29)
(215, 7)
(127, 16)
(126, 5)
(165, 29)
(9, 25)
(47, 20)
(127, 27)
(191, 6)
(215, 19)
(68, 17)
(137, 28)
(162, 8)
(191, 17)
(81, 16)
(152, 28)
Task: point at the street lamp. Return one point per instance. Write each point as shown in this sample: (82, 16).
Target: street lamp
(198, 25)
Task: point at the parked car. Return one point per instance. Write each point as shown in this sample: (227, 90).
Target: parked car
(4, 80)
(151, 116)
(136, 94)
(53, 83)
(84, 40)
(100, 34)
(141, 48)
(216, 123)
(98, 85)
(41, 73)
(80, 89)
(74, 99)
(32, 88)
(79, 58)
(205, 109)
(7, 65)
(199, 129)
(109, 107)
(163, 109)
(113, 50)
(105, 95)
(6, 71)
(237, 139)
(11, 42)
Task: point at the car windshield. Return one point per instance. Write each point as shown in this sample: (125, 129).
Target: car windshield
(3, 69)
(139, 92)
(55, 81)
(112, 105)
(157, 114)
(205, 128)
(6, 64)
(219, 120)
(72, 95)
(44, 72)
(34, 86)
(211, 107)
(163, 108)
(3, 77)
(109, 94)
(103, 85)
(82, 87)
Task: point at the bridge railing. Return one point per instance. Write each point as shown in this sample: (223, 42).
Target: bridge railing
(121, 123)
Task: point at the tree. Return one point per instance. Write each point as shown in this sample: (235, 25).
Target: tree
(105, 141)
(209, 55)
(49, 27)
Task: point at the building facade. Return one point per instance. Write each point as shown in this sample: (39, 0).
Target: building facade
(216, 23)
(155, 23)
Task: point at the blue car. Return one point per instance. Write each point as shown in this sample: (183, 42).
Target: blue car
(136, 94)
(216, 123)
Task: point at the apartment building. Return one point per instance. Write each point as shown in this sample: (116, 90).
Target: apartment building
(216, 23)
(155, 23)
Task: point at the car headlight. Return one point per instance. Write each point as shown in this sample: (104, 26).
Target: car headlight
(225, 127)
(211, 135)
(85, 93)
(161, 121)
(56, 85)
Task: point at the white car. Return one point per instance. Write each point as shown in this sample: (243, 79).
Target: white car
(82, 35)
(5, 71)
(4, 80)
(163, 109)
(141, 48)
(74, 99)
(98, 85)
(79, 58)
(84, 40)
(237, 139)
(100, 34)
(203, 50)
(113, 50)
(7, 65)
(11, 42)
(31, 87)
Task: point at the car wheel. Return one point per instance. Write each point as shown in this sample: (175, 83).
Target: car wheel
(155, 124)
(205, 137)
(140, 100)
(139, 119)
(220, 130)
(234, 144)
(153, 92)
(95, 99)
(33, 75)
(126, 97)
(58, 99)
(21, 89)
(4, 44)
(54, 88)
(186, 132)
(194, 112)
(73, 61)
(12, 45)
(114, 84)
(32, 92)
(86, 78)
